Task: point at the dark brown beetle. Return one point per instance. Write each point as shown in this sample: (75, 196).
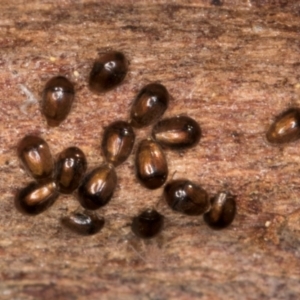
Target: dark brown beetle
(83, 223)
(286, 127)
(151, 164)
(117, 142)
(108, 72)
(36, 157)
(97, 187)
(70, 168)
(222, 212)
(57, 101)
(177, 132)
(148, 224)
(149, 105)
(186, 197)
(36, 197)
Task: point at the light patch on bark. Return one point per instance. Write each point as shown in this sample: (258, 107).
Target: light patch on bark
(31, 99)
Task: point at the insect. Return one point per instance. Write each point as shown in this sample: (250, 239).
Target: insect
(84, 223)
(186, 197)
(35, 155)
(149, 105)
(286, 127)
(36, 197)
(222, 211)
(151, 164)
(117, 142)
(147, 224)
(177, 132)
(108, 71)
(57, 101)
(97, 187)
(70, 168)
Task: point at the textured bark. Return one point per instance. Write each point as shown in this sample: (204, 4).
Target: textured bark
(232, 65)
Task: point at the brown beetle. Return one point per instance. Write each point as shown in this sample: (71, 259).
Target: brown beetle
(70, 168)
(149, 105)
(84, 223)
(36, 157)
(177, 132)
(117, 142)
(108, 72)
(222, 212)
(97, 187)
(36, 197)
(286, 127)
(147, 224)
(57, 101)
(186, 197)
(151, 164)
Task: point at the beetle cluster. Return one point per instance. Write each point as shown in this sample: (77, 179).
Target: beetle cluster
(96, 188)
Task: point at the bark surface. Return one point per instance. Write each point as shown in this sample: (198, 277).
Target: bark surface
(233, 66)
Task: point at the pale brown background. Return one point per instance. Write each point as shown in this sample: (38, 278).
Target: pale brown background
(232, 68)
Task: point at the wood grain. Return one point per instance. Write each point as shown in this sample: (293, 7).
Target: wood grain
(233, 66)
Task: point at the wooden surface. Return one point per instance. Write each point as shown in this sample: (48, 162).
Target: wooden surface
(232, 67)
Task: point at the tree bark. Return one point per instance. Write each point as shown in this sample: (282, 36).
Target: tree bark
(232, 66)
